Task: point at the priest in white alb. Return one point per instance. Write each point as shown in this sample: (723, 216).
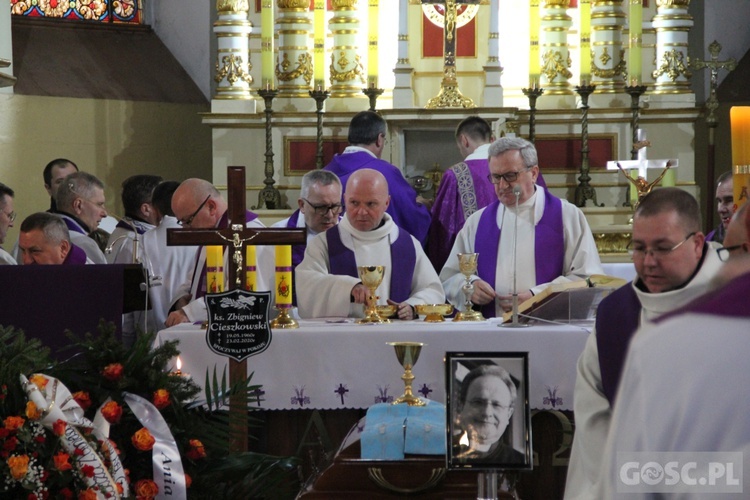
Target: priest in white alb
(554, 242)
(328, 284)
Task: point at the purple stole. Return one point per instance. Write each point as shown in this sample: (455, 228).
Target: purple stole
(403, 260)
(129, 227)
(549, 245)
(73, 224)
(76, 256)
(223, 223)
(729, 301)
(298, 253)
(617, 319)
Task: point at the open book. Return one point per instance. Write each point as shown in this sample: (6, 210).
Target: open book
(566, 301)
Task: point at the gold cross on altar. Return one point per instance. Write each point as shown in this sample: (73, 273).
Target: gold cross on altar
(238, 236)
(450, 96)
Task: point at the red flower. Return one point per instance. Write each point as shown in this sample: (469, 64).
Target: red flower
(143, 440)
(113, 372)
(40, 439)
(112, 412)
(83, 399)
(66, 493)
(196, 450)
(78, 452)
(88, 494)
(58, 428)
(10, 443)
(62, 461)
(87, 471)
(13, 423)
(4, 433)
(188, 480)
(39, 380)
(146, 489)
(161, 399)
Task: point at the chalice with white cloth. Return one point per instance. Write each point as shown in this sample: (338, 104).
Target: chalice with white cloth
(371, 277)
(467, 264)
(408, 354)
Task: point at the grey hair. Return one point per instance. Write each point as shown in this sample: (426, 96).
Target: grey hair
(322, 177)
(77, 185)
(52, 226)
(527, 149)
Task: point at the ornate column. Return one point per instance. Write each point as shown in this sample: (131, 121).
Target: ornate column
(347, 72)
(493, 89)
(294, 69)
(556, 59)
(672, 23)
(233, 57)
(403, 95)
(608, 64)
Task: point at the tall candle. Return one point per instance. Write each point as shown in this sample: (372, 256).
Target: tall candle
(636, 31)
(585, 12)
(266, 43)
(319, 40)
(669, 178)
(739, 117)
(214, 269)
(251, 269)
(284, 275)
(534, 25)
(372, 59)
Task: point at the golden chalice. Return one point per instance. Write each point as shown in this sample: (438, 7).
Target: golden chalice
(408, 354)
(386, 310)
(434, 312)
(467, 264)
(371, 277)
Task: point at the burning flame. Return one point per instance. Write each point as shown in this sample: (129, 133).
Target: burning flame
(179, 364)
(464, 441)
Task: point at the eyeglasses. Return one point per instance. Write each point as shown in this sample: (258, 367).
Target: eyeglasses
(507, 177)
(658, 252)
(11, 216)
(725, 252)
(189, 220)
(323, 209)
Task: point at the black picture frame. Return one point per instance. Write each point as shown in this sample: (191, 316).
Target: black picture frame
(511, 450)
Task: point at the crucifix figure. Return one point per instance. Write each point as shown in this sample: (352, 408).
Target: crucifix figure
(450, 96)
(238, 236)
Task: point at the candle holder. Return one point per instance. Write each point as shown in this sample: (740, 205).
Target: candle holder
(320, 97)
(283, 320)
(533, 94)
(269, 194)
(373, 94)
(635, 92)
(584, 191)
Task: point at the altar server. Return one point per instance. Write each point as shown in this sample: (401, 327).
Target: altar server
(327, 278)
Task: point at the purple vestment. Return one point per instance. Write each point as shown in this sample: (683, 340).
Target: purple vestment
(549, 245)
(76, 256)
(729, 300)
(404, 209)
(201, 290)
(403, 260)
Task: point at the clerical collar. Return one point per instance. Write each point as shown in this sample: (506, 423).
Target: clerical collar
(78, 221)
(358, 149)
(481, 153)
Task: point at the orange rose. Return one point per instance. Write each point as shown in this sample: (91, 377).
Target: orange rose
(188, 480)
(112, 412)
(13, 423)
(19, 466)
(32, 411)
(161, 399)
(88, 494)
(143, 440)
(83, 399)
(113, 372)
(146, 489)
(39, 380)
(62, 461)
(196, 450)
(58, 428)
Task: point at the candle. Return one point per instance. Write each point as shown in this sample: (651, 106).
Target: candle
(284, 275)
(214, 269)
(372, 60)
(585, 13)
(739, 117)
(319, 40)
(251, 271)
(636, 30)
(534, 66)
(266, 43)
(669, 178)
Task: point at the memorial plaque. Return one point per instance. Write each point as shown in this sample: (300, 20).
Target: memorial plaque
(238, 323)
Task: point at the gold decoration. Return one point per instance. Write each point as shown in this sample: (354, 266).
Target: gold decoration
(553, 65)
(673, 3)
(450, 97)
(438, 18)
(343, 62)
(556, 3)
(229, 6)
(605, 57)
(673, 65)
(293, 4)
(232, 70)
(619, 69)
(344, 4)
(303, 69)
(609, 243)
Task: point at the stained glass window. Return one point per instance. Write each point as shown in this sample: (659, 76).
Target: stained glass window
(105, 11)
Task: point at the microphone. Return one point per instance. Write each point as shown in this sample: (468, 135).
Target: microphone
(514, 322)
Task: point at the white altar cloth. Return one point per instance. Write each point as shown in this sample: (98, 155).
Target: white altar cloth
(343, 365)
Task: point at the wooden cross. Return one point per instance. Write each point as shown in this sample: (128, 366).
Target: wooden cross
(238, 236)
(450, 96)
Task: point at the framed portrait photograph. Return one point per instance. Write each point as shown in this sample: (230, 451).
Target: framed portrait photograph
(487, 407)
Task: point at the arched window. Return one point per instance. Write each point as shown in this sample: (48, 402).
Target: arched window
(104, 11)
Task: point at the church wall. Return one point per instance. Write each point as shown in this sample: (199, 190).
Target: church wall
(6, 47)
(110, 139)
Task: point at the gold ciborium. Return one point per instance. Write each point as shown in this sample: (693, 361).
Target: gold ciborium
(467, 264)
(371, 277)
(408, 354)
(434, 312)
